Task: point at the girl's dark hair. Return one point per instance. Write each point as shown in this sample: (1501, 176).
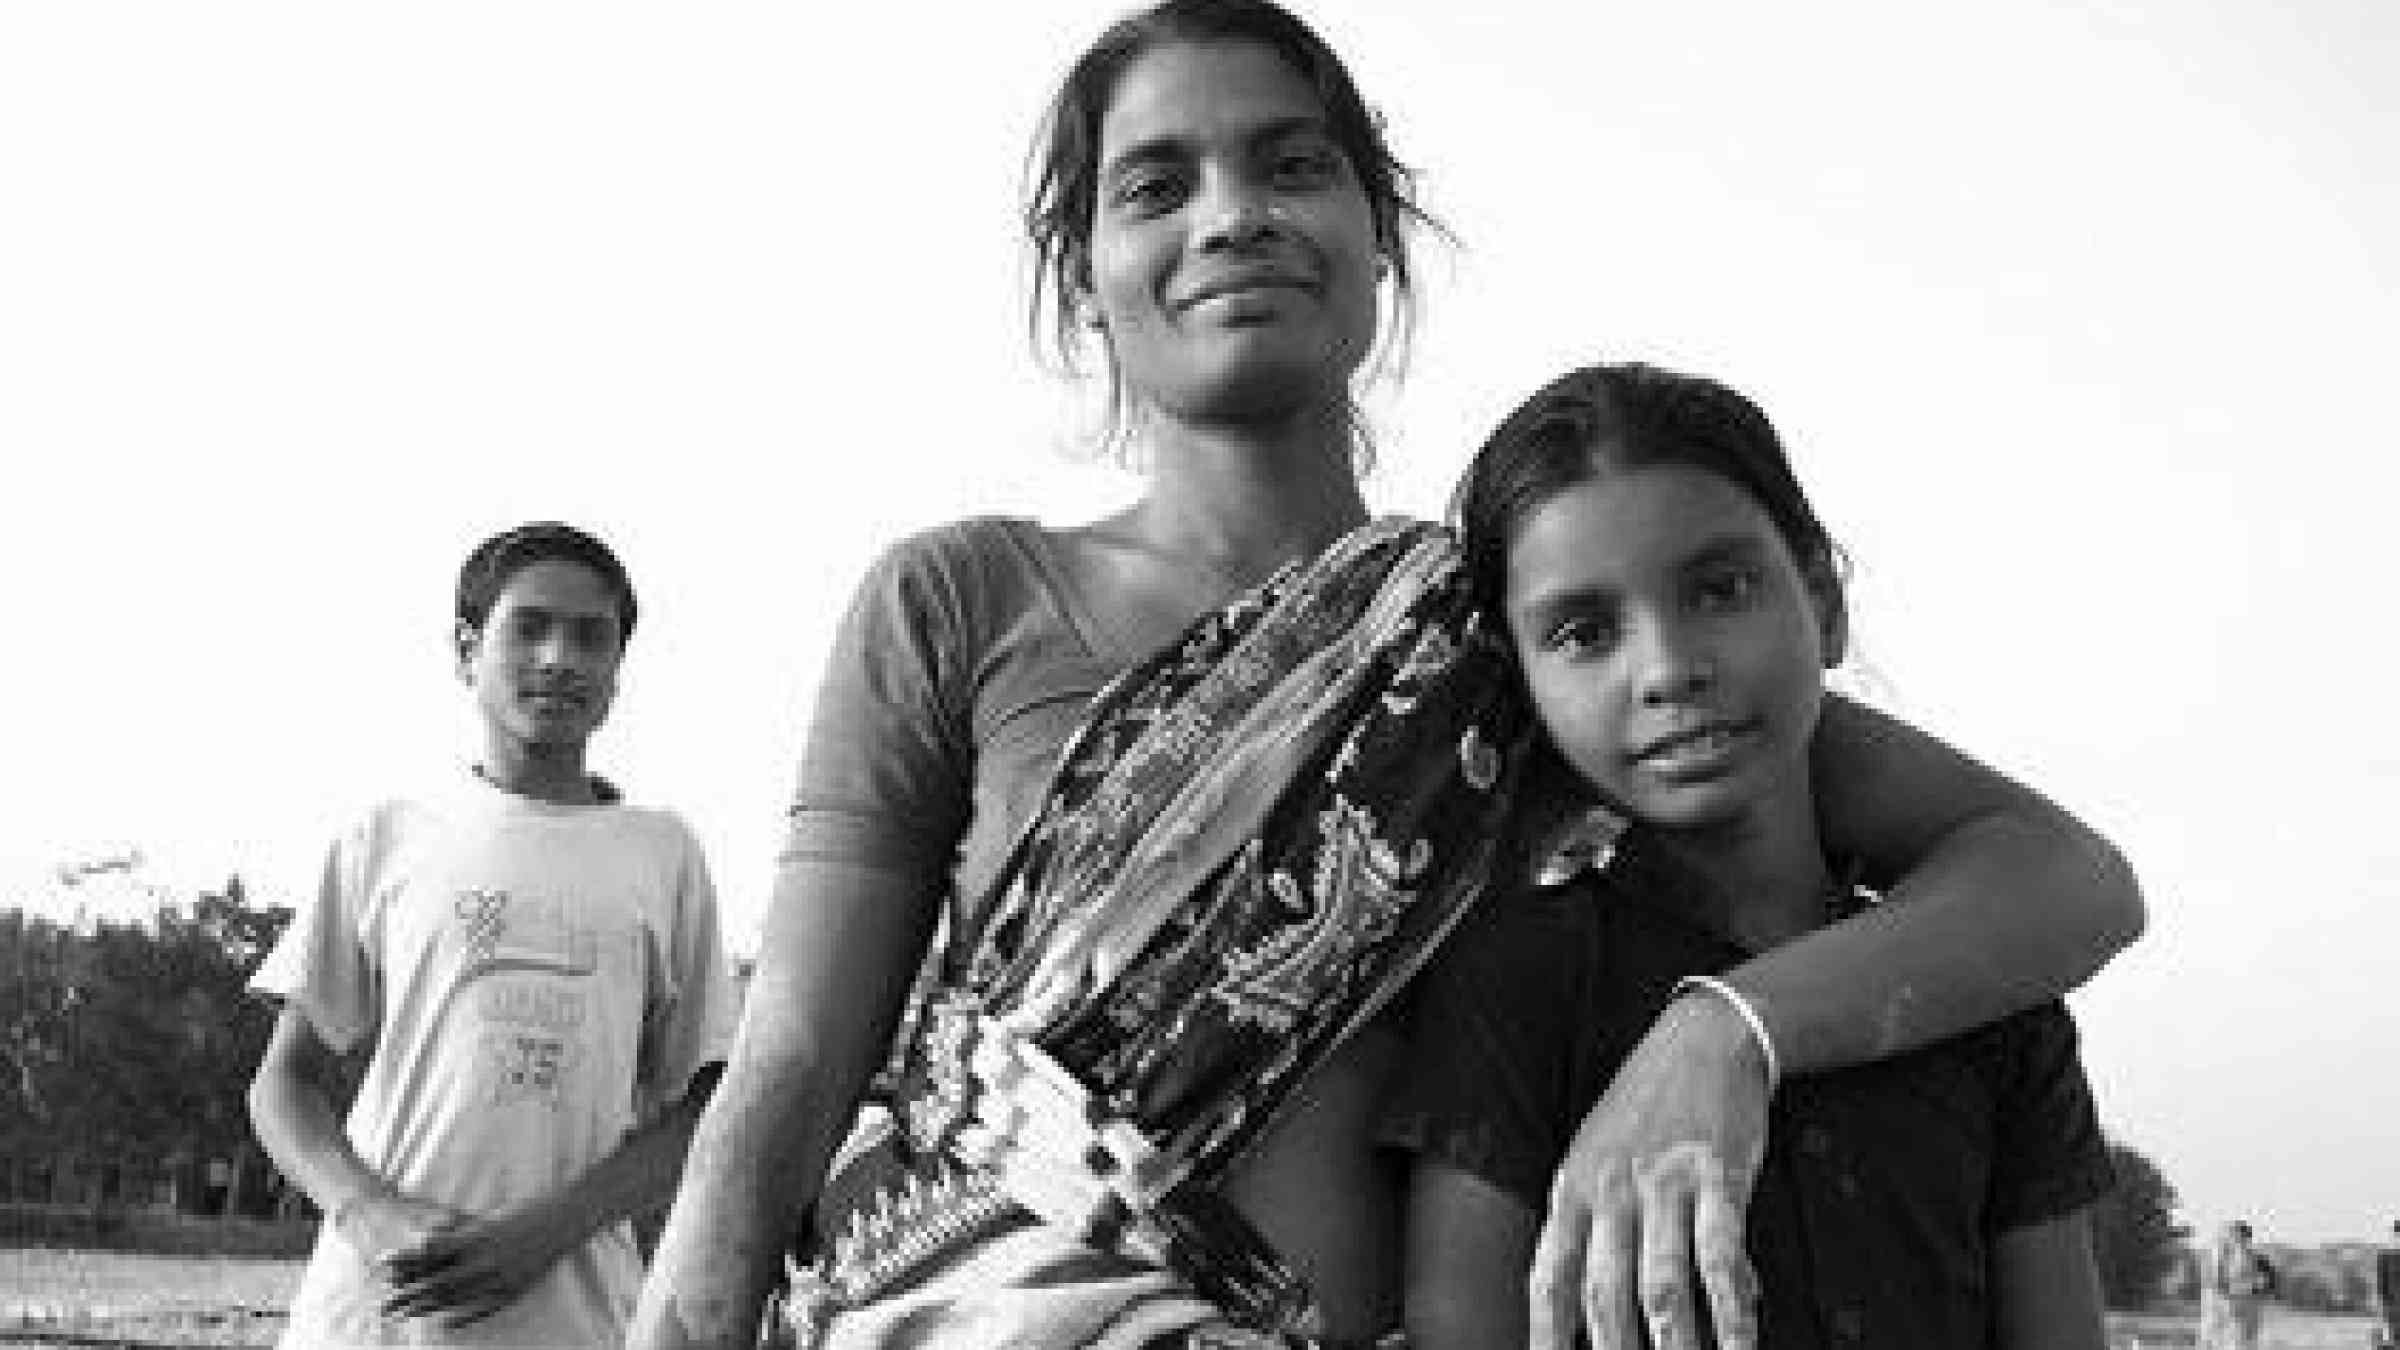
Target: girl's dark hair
(487, 570)
(1630, 416)
(1065, 170)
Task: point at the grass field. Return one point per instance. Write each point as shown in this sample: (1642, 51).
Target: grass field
(2285, 1329)
(52, 1297)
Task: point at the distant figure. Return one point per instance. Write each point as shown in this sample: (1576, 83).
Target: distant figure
(532, 972)
(2235, 1284)
(2387, 1289)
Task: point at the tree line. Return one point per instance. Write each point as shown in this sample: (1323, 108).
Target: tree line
(125, 1050)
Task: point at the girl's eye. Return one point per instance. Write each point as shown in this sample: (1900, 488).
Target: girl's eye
(1727, 590)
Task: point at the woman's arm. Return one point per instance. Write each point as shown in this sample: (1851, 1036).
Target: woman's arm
(2003, 900)
(840, 949)
(2046, 1289)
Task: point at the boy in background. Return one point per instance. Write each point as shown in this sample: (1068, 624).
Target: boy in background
(532, 971)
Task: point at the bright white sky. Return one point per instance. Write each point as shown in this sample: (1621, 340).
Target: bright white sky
(2071, 310)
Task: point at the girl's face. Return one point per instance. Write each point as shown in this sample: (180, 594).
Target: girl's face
(1674, 650)
(1233, 261)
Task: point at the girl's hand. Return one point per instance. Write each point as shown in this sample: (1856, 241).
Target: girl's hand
(1656, 1184)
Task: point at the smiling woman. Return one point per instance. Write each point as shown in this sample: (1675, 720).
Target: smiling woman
(1188, 792)
(1217, 212)
(1232, 258)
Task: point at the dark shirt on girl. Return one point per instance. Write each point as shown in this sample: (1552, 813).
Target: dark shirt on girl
(1884, 1186)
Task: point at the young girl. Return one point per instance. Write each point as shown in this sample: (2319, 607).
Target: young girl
(1673, 602)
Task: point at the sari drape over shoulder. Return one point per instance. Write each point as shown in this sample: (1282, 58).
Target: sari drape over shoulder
(1253, 841)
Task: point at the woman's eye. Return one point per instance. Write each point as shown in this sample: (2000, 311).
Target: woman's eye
(1306, 168)
(1150, 193)
(1733, 588)
(1581, 636)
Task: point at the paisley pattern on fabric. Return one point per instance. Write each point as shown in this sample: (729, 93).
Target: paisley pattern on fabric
(1255, 839)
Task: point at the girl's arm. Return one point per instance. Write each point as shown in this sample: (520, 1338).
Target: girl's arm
(1468, 1243)
(2002, 900)
(2046, 1289)
(841, 947)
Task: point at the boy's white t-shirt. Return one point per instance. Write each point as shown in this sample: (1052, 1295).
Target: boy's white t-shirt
(536, 980)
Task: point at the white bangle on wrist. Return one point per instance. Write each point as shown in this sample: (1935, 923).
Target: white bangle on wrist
(1748, 1012)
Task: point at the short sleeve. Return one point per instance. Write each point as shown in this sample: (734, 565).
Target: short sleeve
(690, 1021)
(321, 965)
(1487, 1083)
(2049, 1157)
(886, 776)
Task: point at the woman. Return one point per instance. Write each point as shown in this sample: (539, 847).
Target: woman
(2235, 1284)
(1218, 214)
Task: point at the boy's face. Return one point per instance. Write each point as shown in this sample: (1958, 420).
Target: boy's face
(544, 663)
(1671, 644)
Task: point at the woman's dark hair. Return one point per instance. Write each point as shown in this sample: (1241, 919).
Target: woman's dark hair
(1630, 416)
(1065, 166)
(487, 570)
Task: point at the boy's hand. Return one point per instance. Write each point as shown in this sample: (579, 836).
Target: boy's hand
(378, 1224)
(470, 1270)
(1654, 1186)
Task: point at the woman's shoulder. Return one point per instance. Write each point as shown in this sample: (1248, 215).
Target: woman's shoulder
(971, 542)
(968, 565)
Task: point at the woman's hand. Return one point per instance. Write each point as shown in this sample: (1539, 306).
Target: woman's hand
(1654, 1187)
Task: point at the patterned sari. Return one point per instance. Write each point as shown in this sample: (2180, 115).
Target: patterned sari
(1253, 841)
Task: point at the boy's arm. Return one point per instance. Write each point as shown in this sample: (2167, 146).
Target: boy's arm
(2046, 1287)
(1468, 1243)
(291, 1107)
(473, 1269)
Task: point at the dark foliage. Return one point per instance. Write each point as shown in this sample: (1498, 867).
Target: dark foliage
(125, 1050)
(2134, 1233)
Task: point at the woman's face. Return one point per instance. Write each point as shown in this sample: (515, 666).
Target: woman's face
(1233, 264)
(1671, 644)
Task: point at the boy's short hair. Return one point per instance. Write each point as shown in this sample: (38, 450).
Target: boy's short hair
(488, 569)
